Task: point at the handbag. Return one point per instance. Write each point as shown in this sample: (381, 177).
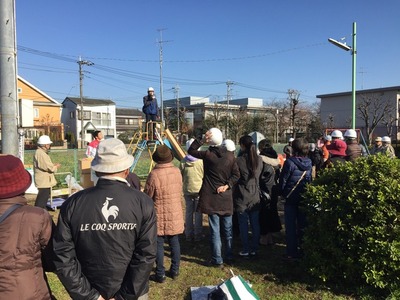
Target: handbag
(235, 288)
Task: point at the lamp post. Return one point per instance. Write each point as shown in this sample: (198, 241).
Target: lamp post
(353, 81)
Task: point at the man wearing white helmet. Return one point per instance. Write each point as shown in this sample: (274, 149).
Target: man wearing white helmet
(337, 148)
(353, 150)
(229, 145)
(377, 148)
(44, 169)
(221, 172)
(150, 108)
(327, 141)
(387, 147)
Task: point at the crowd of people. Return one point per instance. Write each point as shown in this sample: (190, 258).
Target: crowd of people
(109, 237)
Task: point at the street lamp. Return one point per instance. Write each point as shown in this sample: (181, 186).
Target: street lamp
(353, 85)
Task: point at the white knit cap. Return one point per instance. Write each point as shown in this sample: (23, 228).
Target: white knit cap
(216, 137)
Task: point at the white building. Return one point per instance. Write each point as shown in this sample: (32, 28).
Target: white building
(336, 109)
(98, 114)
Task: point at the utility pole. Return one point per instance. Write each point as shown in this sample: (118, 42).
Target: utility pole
(176, 91)
(294, 100)
(8, 78)
(80, 63)
(277, 125)
(228, 96)
(160, 43)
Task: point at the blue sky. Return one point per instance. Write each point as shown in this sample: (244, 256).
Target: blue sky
(263, 47)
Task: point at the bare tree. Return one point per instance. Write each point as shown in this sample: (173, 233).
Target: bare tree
(372, 109)
(281, 110)
(237, 123)
(216, 117)
(294, 101)
(167, 117)
(389, 121)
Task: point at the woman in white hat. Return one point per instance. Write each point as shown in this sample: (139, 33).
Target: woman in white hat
(44, 169)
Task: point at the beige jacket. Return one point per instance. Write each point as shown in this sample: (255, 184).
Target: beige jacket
(164, 186)
(43, 169)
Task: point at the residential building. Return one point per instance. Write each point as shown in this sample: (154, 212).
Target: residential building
(381, 103)
(98, 114)
(128, 120)
(38, 113)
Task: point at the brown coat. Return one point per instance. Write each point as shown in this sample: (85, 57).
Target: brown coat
(164, 186)
(23, 235)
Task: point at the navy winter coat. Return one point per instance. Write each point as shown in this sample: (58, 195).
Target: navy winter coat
(292, 170)
(150, 106)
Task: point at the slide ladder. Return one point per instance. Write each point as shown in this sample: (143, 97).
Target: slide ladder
(137, 153)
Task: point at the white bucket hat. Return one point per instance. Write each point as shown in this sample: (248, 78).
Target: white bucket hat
(111, 157)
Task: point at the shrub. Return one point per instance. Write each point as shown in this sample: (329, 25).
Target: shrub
(354, 224)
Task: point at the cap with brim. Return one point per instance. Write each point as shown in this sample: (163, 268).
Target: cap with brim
(338, 148)
(162, 155)
(14, 179)
(111, 157)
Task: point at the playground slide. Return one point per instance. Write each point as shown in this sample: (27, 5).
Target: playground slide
(171, 142)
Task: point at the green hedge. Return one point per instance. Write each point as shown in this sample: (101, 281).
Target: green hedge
(353, 234)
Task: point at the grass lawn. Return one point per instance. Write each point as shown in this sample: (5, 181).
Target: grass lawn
(271, 277)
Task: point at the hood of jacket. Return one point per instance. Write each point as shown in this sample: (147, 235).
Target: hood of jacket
(303, 163)
(217, 150)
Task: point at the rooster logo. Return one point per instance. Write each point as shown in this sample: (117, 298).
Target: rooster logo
(109, 211)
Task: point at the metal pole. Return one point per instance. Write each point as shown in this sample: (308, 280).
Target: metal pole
(161, 78)
(177, 106)
(88, 63)
(80, 62)
(228, 96)
(277, 130)
(353, 86)
(8, 78)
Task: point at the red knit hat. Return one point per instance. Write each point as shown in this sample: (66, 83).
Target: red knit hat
(14, 179)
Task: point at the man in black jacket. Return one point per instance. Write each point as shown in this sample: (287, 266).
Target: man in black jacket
(105, 241)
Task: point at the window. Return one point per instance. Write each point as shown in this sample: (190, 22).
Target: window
(72, 115)
(86, 115)
(96, 120)
(36, 113)
(106, 119)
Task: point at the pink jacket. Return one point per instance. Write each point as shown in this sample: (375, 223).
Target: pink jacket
(164, 186)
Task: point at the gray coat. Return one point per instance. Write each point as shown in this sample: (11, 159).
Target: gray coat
(246, 192)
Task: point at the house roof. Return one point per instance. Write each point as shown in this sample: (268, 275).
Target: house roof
(89, 101)
(134, 112)
(392, 88)
(38, 90)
